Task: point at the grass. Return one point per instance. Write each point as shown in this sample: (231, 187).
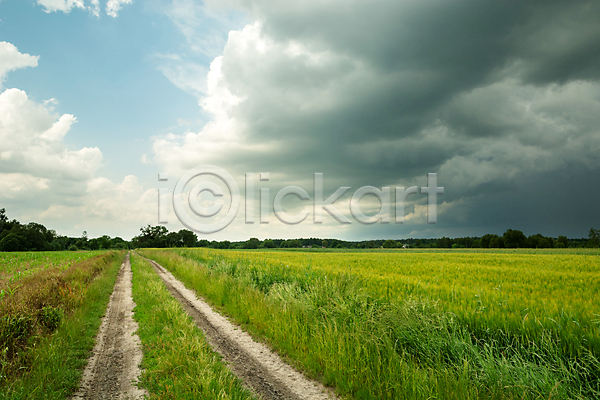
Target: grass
(48, 327)
(178, 363)
(523, 294)
(17, 265)
(340, 328)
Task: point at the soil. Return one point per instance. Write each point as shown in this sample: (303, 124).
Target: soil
(262, 371)
(113, 370)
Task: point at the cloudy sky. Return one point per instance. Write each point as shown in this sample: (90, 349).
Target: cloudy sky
(500, 99)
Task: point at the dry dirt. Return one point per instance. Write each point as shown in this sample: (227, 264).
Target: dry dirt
(263, 371)
(113, 369)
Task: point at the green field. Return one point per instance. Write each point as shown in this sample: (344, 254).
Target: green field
(519, 292)
(404, 324)
(17, 265)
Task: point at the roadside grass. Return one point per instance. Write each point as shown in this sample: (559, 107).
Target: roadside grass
(48, 326)
(369, 347)
(177, 362)
(16, 265)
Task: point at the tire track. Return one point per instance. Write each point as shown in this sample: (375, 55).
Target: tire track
(113, 369)
(263, 371)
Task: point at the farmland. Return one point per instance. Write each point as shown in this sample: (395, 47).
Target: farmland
(416, 324)
(17, 265)
(49, 315)
(525, 294)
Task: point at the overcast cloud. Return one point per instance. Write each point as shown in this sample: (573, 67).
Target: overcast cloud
(496, 98)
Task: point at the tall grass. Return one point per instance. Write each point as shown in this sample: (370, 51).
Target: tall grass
(47, 328)
(178, 362)
(525, 296)
(376, 346)
(17, 265)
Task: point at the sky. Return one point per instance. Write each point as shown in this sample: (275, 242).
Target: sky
(501, 100)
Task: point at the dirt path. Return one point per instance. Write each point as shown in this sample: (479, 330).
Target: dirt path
(262, 370)
(113, 369)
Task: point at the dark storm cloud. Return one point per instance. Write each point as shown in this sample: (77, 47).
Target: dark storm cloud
(489, 95)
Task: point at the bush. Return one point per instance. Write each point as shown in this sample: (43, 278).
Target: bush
(50, 317)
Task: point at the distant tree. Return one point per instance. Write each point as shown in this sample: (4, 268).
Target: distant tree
(224, 245)
(94, 244)
(594, 238)
(324, 243)
(151, 236)
(496, 242)
(252, 243)
(104, 242)
(13, 242)
(203, 243)
(172, 239)
(514, 239)
(291, 243)
(268, 244)
(187, 238)
(562, 242)
(444, 243)
(390, 244)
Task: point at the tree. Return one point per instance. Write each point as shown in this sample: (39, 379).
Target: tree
(324, 243)
(444, 243)
(151, 236)
(13, 242)
(514, 239)
(187, 237)
(293, 243)
(496, 242)
(172, 239)
(268, 244)
(562, 242)
(252, 243)
(390, 244)
(594, 236)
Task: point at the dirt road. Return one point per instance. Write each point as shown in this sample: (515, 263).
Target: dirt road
(113, 369)
(263, 371)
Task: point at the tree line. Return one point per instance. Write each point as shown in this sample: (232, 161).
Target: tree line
(159, 236)
(15, 236)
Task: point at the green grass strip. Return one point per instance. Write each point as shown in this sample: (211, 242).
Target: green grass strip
(58, 359)
(178, 363)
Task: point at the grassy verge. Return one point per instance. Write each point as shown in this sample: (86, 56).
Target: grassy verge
(367, 347)
(178, 363)
(48, 327)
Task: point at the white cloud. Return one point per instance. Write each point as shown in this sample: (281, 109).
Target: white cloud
(33, 137)
(14, 185)
(38, 170)
(104, 208)
(113, 6)
(60, 5)
(11, 59)
(186, 75)
(95, 7)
